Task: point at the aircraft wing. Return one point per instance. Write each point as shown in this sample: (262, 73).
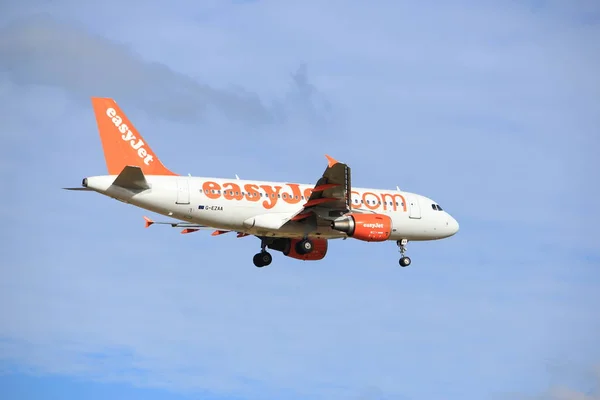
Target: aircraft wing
(331, 195)
(188, 227)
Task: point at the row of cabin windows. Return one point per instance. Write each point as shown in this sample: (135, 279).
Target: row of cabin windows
(436, 207)
(373, 202)
(256, 194)
(285, 196)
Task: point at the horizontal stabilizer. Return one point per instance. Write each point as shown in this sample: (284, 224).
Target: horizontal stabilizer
(84, 189)
(132, 178)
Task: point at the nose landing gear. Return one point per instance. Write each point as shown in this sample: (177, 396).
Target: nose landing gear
(404, 260)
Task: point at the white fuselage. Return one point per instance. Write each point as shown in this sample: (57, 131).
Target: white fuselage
(256, 207)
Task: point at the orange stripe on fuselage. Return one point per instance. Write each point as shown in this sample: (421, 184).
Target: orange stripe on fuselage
(290, 193)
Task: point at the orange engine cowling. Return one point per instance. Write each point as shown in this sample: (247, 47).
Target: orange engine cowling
(288, 248)
(367, 227)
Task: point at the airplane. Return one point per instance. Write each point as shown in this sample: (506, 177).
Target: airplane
(295, 219)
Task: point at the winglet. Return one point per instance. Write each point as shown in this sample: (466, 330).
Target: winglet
(148, 221)
(331, 161)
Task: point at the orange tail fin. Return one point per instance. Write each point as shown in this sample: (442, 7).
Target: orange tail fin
(122, 143)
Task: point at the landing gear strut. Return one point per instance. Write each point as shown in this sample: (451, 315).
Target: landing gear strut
(404, 260)
(263, 258)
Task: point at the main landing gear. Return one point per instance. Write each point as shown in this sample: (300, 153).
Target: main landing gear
(304, 246)
(404, 260)
(264, 258)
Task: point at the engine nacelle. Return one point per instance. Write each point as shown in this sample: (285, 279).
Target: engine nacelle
(288, 248)
(366, 227)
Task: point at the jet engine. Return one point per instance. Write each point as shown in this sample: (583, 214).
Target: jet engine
(288, 248)
(366, 227)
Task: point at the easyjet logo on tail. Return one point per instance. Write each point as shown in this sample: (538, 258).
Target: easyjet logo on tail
(128, 136)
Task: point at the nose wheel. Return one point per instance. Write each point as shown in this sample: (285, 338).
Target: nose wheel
(404, 260)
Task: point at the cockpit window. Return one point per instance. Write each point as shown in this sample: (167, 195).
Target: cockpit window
(433, 206)
(436, 207)
(439, 208)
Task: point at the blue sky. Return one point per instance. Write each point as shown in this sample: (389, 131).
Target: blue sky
(490, 108)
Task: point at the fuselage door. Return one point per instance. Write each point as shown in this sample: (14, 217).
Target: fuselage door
(183, 191)
(413, 207)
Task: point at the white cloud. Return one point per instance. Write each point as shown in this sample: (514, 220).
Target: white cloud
(44, 51)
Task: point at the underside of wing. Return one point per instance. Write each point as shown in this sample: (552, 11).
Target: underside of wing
(189, 227)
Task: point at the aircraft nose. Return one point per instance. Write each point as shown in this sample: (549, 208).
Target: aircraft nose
(452, 225)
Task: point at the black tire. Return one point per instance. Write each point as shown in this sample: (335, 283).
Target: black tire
(304, 246)
(258, 262)
(265, 258)
(404, 261)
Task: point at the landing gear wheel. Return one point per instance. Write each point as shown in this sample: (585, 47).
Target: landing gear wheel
(262, 259)
(304, 246)
(404, 261)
